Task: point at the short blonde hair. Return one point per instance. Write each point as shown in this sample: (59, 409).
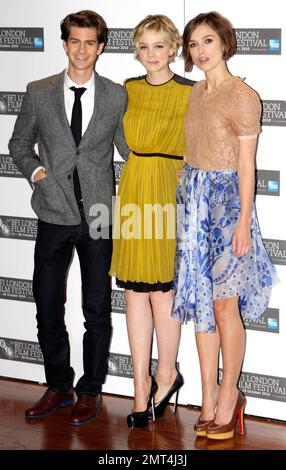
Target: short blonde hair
(160, 24)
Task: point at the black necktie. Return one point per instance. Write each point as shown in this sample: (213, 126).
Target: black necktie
(76, 127)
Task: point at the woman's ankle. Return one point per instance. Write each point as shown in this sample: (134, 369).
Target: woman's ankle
(166, 377)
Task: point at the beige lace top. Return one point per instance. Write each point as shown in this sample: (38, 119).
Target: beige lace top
(215, 123)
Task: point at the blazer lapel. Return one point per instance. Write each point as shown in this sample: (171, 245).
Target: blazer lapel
(98, 107)
(58, 103)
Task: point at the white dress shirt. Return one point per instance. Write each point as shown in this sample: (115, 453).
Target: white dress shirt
(87, 100)
(87, 105)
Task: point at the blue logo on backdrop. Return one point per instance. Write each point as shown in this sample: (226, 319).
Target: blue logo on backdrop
(38, 42)
(272, 323)
(23, 39)
(258, 41)
(273, 186)
(274, 45)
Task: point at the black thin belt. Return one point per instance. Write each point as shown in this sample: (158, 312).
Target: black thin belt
(164, 155)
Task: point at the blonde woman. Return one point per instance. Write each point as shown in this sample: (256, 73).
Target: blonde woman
(143, 260)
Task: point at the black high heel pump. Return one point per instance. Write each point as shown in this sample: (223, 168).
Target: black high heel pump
(139, 419)
(160, 406)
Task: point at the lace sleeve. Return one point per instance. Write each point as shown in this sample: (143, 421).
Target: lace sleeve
(246, 111)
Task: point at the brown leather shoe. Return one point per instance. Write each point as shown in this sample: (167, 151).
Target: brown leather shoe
(85, 410)
(49, 403)
(201, 425)
(226, 431)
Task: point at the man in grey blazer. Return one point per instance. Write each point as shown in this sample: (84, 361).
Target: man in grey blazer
(75, 117)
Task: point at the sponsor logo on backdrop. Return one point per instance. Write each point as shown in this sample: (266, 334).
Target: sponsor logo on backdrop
(274, 113)
(118, 167)
(276, 250)
(258, 41)
(268, 387)
(20, 350)
(268, 182)
(119, 40)
(120, 365)
(10, 102)
(22, 228)
(8, 167)
(268, 322)
(22, 39)
(16, 289)
(117, 301)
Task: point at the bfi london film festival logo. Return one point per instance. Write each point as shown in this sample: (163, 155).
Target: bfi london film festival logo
(120, 365)
(120, 41)
(22, 39)
(269, 322)
(16, 289)
(8, 167)
(20, 350)
(267, 387)
(118, 167)
(11, 102)
(274, 113)
(276, 250)
(258, 41)
(117, 301)
(268, 182)
(21, 228)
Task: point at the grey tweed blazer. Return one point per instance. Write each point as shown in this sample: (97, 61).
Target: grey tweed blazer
(43, 120)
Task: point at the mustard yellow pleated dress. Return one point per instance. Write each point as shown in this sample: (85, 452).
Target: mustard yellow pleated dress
(144, 227)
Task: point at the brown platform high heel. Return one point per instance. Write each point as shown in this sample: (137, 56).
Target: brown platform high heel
(226, 431)
(201, 426)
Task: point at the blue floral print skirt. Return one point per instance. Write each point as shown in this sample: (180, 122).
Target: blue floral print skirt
(208, 209)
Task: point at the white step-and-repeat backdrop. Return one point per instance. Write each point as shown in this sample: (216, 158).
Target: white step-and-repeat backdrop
(30, 48)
